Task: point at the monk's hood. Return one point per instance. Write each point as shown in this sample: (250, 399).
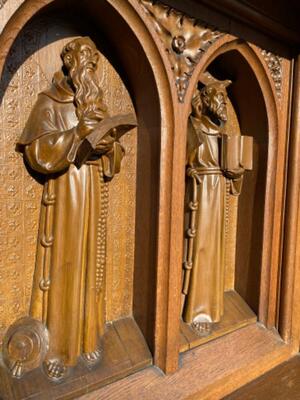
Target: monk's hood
(60, 91)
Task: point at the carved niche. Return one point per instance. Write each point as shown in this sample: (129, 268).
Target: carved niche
(216, 162)
(72, 142)
(229, 280)
(21, 193)
(28, 234)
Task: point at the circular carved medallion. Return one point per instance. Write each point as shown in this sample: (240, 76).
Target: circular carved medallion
(25, 346)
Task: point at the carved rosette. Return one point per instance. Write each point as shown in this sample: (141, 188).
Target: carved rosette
(185, 40)
(274, 64)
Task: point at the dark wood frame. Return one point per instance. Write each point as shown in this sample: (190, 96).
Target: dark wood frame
(279, 307)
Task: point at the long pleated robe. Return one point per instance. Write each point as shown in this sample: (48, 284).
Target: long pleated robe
(205, 291)
(68, 292)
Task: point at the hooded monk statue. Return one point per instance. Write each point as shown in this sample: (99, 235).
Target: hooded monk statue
(68, 295)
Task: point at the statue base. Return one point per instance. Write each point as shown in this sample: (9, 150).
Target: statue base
(124, 352)
(237, 314)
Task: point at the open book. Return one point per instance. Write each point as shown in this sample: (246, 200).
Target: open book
(119, 123)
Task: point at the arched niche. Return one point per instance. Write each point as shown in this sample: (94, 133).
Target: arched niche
(138, 75)
(247, 98)
(263, 249)
(249, 267)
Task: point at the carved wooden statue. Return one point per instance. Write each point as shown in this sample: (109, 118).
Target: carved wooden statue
(70, 140)
(212, 158)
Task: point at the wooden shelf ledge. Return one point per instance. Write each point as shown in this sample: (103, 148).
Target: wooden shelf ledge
(208, 372)
(237, 314)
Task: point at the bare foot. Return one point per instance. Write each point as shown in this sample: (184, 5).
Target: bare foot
(202, 325)
(55, 369)
(93, 357)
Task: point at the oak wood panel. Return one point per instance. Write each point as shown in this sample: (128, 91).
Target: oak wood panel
(207, 372)
(169, 257)
(250, 16)
(281, 383)
(289, 302)
(277, 11)
(153, 280)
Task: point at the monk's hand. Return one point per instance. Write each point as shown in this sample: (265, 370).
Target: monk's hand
(197, 106)
(105, 144)
(234, 173)
(88, 122)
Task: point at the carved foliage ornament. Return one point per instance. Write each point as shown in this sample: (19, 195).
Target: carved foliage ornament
(274, 64)
(185, 40)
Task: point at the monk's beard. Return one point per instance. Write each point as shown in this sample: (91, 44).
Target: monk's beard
(222, 113)
(88, 95)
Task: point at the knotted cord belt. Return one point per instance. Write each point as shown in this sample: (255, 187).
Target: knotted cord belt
(46, 241)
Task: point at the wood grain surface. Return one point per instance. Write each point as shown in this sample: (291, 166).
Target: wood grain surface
(207, 372)
(281, 383)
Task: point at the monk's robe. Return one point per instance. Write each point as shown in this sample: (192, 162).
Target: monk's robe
(206, 286)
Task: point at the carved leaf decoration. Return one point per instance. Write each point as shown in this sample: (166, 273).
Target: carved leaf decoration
(185, 40)
(274, 64)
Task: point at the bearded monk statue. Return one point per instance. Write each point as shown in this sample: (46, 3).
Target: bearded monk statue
(207, 173)
(70, 140)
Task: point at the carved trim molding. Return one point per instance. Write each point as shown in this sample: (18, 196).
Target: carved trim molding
(185, 40)
(274, 64)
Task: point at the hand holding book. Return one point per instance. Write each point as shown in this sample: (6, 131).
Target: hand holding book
(236, 155)
(104, 134)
